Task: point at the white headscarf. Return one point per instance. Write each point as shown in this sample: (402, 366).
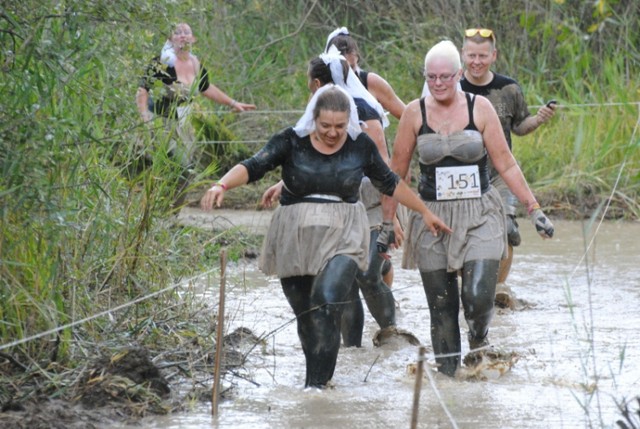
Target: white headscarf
(306, 124)
(342, 31)
(353, 86)
(168, 54)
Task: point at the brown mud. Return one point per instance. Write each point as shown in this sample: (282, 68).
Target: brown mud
(121, 385)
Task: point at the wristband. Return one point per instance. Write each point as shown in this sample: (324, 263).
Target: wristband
(222, 185)
(233, 103)
(532, 207)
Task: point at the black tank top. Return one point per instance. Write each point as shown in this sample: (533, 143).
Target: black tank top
(427, 185)
(363, 75)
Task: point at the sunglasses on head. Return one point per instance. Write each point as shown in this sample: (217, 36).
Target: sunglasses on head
(483, 32)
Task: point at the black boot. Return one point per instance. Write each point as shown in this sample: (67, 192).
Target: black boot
(479, 280)
(318, 307)
(352, 324)
(317, 330)
(377, 294)
(441, 289)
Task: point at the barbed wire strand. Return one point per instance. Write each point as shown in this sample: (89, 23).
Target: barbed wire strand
(282, 112)
(299, 111)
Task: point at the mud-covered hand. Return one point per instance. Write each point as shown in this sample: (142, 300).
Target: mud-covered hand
(543, 225)
(386, 238)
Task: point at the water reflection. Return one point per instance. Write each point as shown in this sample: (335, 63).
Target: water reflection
(579, 349)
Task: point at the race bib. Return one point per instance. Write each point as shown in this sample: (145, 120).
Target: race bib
(454, 183)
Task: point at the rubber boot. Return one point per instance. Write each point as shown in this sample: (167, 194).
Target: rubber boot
(443, 298)
(479, 280)
(377, 294)
(298, 292)
(319, 323)
(352, 325)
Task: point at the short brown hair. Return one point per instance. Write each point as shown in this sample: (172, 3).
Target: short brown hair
(333, 100)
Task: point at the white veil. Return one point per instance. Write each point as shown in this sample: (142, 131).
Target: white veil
(353, 86)
(306, 124)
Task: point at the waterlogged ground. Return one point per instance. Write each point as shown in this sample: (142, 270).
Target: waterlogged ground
(578, 344)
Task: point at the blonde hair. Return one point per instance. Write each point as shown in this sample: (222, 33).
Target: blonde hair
(447, 50)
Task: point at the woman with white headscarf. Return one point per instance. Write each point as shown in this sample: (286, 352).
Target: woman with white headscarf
(175, 77)
(332, 68)
(318, 237)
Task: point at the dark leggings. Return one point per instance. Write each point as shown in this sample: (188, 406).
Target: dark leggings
(317, 302)
(377, 295)
(477, 293)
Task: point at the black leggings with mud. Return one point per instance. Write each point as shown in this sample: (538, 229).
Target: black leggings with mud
(317, 302)
(477, 293)
(377, 295)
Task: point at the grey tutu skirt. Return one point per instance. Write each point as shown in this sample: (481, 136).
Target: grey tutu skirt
(303, 237)
(478, 226)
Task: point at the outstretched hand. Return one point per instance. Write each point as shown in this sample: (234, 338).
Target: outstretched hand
(243, 107)
(213, 195)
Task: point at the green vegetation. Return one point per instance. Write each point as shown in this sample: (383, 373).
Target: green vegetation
(86, 223)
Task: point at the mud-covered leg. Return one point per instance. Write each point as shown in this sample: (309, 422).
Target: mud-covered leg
(352, 324)
(298, 293)
(505, 265)
(441, 289)
(331, 288)
(377, 294)
(479, 280)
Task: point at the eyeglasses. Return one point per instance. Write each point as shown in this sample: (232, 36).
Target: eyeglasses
(483, 32)
(444, 78)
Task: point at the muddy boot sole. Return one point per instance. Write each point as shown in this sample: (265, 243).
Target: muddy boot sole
(392, 334)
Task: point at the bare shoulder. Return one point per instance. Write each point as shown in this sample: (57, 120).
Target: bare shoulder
(412, 109)
(482, 101)
(195, 60)
(375, 80)
(484, 113)
(483, 106)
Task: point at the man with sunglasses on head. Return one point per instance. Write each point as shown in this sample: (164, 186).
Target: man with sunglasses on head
(479, 53)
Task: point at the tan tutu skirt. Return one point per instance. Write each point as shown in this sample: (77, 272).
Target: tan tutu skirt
(303, 237)
(478, 226)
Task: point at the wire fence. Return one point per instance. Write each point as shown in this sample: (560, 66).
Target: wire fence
(187, 281)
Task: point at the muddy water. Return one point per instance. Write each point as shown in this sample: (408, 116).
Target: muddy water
(578, 344)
